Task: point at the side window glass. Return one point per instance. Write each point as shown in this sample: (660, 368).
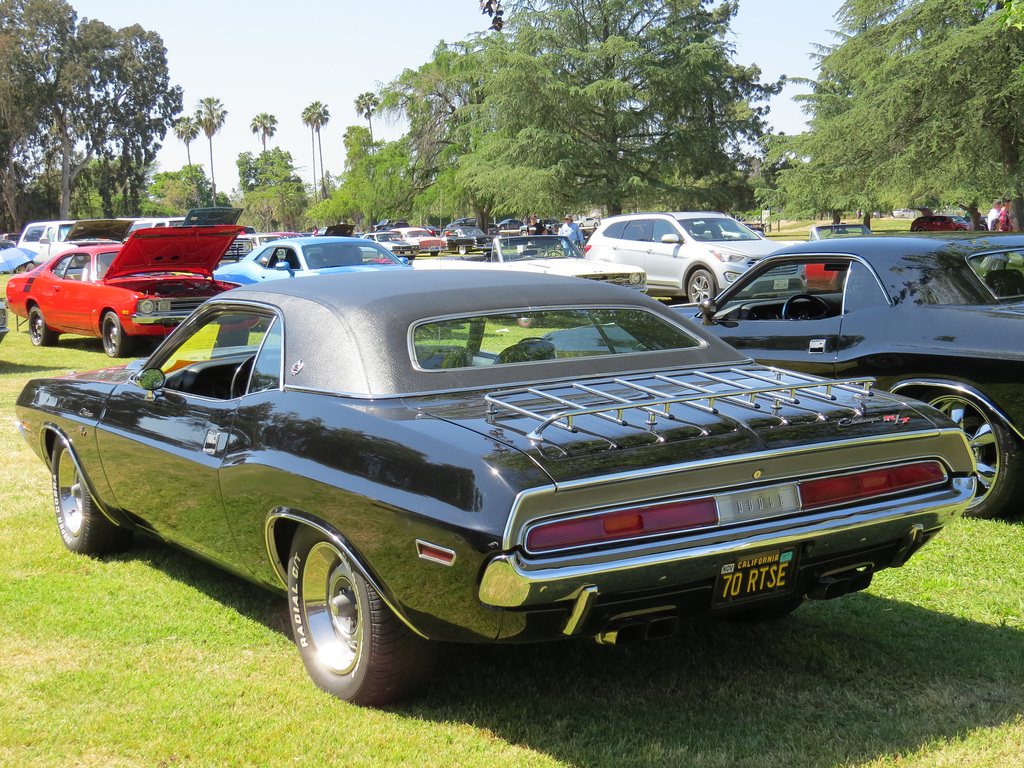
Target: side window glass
(641, 229)
(32, 234)
(663, 228)
(615, 230)
(61, 267)
(76, 266)
(266, 369)
(862, 289)
(213, 360)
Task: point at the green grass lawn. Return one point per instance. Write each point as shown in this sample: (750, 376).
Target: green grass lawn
(153, 658)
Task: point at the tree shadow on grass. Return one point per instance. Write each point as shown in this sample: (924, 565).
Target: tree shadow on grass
(841, 682)
(836, 683)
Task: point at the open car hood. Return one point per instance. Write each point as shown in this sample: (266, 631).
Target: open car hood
(99, 229)
(173, 249)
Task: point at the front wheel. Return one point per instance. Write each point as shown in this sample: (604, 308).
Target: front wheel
(116, 343)
(352, 645)
(700, 285)
(463, 250)
(997, 453)
(82, 527)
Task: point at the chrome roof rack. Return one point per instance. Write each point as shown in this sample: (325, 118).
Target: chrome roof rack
(653, 395)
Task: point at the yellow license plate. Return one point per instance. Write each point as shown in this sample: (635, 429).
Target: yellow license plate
(756, 575)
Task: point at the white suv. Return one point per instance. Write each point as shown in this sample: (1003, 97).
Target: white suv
(686, 254)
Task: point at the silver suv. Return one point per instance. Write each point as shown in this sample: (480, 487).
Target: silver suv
(686, 254)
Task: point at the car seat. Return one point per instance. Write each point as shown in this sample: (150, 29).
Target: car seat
(527, 350)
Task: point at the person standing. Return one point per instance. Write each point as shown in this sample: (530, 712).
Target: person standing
(572, 231)
(1005, 218)
(993, 215)
(535, 227)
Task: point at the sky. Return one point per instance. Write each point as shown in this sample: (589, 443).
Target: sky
(269, 56)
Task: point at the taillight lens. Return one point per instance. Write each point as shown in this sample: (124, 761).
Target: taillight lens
(862, 486)
(622, 525)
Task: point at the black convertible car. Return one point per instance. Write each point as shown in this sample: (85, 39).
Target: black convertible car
(404, 461)
(935, 318)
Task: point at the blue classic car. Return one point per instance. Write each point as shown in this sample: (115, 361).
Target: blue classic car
(300, 256)
(407, 465)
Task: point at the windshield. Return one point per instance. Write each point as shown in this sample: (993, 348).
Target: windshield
(542, 247)
(347, 255)
(717, 229)
(1002, 273)
(387, 237)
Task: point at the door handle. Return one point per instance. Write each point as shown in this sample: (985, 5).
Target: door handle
(215, 442)
(817, 346)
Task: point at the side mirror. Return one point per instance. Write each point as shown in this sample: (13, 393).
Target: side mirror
(708, 309)
(283, 266)
(671, 237)
(150, 379)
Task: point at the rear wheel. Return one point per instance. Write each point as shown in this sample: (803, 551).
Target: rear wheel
(116, 343)
(997, 452)
(39, 332)
(83, 528)
(700, 285)
(351, 643)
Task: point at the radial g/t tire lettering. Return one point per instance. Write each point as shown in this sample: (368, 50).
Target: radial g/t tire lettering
(352, 645)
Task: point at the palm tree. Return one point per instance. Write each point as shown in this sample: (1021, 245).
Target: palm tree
(210, 115)
(316, 117)
(264, 125)
(366, 105)
(187, 130)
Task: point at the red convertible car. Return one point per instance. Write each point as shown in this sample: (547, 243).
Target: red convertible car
(122, 292)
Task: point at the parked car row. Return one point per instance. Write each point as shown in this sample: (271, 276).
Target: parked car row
(393, 452)
(464, 450)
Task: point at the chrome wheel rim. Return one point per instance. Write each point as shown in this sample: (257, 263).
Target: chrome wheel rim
(330, 601)
(70, 495)
(111, 332)
(700, 288)
(980, 436)
(35, 327)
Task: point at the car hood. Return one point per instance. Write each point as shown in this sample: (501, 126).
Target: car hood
(747, 247)
(173, 249)
(99, 229)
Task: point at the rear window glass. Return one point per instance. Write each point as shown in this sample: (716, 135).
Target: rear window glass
(506, 338)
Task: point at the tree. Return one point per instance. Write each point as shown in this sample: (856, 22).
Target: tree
(92, 92)
(274, 196)
(264, 125)
(187, 131)
(617, 104)
(210, 115)
(918, 104)
(316, 116)
(366, 104)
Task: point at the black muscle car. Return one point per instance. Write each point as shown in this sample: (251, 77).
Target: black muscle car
(939, 319)
(406, 463)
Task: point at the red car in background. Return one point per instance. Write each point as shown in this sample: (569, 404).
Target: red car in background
(933, 222)
(122, 292)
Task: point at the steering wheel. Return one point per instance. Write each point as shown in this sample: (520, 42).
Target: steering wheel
(810, 298)
(240, 379)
